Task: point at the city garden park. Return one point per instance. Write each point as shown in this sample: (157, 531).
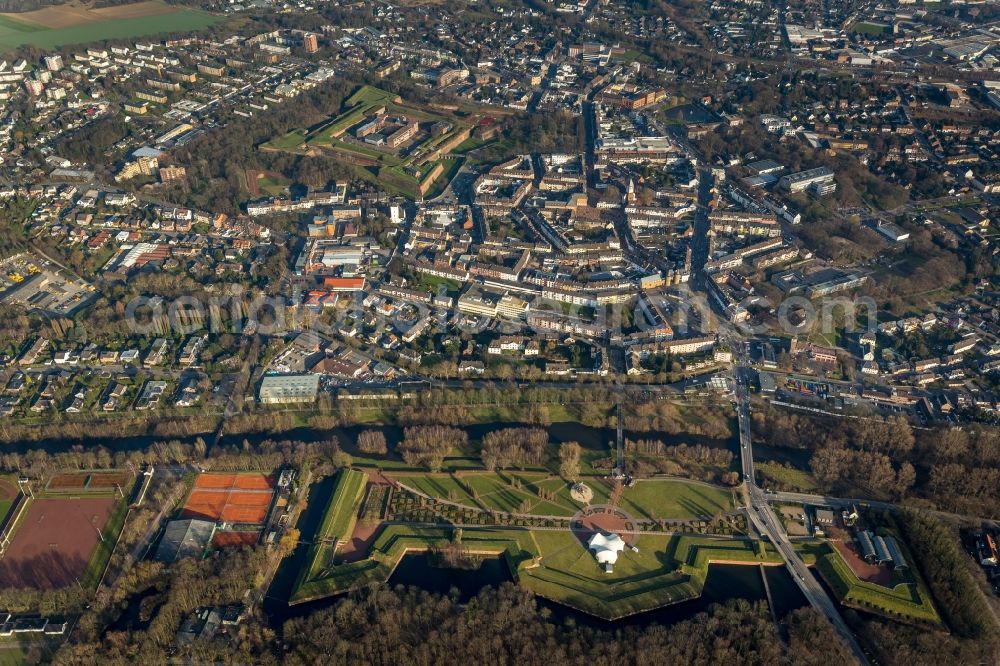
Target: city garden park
(539, 518)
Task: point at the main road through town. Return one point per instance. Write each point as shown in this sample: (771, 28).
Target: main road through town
(760, 511)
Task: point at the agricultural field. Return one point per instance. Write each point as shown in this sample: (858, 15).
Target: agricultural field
(419, 167)
(75, 23)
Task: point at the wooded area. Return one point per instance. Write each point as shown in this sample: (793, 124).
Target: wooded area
(887, 459)
(972, 637)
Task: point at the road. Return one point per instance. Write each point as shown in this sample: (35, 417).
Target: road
(845, 502)
(239, 390)
(700, 242)
(760, 512)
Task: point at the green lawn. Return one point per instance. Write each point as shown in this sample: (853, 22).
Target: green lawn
(437, 485)
(870, 29)
(273, 186)
(648, 499)
(434, 282)
(339, 518)
(391, 171)
(13, 655)
(493, 491)
(16, 32)
(290, 142)
(469, 144)
(370, 96)
(451, 167)
(675, 499)
(552, 563)
(359, 149)
(787, 478)
(667, 569)
(600, 487)
(341, 511)
(569, 574)
(517, 546)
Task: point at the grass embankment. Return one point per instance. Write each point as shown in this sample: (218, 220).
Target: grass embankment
(908, 598)
(409, 172)
(396, 540)
(786, 478)
(554, 564)
(338, 520)
(667, 568)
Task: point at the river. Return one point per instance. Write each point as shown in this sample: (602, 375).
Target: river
(588, 437)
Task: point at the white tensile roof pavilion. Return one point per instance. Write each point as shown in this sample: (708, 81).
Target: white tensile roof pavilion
(606, 548)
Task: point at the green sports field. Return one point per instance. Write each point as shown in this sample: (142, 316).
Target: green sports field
(16, 32)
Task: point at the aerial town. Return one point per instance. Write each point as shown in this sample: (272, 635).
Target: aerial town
(466, 332)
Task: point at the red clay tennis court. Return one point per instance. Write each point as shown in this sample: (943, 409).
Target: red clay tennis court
(249, 481)
(108, 480)
(234, 539)
(68, 481)
(54, 542)
(233, 498)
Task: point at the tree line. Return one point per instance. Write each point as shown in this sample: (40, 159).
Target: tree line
(267, 454)
(698, 461)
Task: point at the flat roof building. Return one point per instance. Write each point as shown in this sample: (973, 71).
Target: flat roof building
(278, 389)
(799, 182)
